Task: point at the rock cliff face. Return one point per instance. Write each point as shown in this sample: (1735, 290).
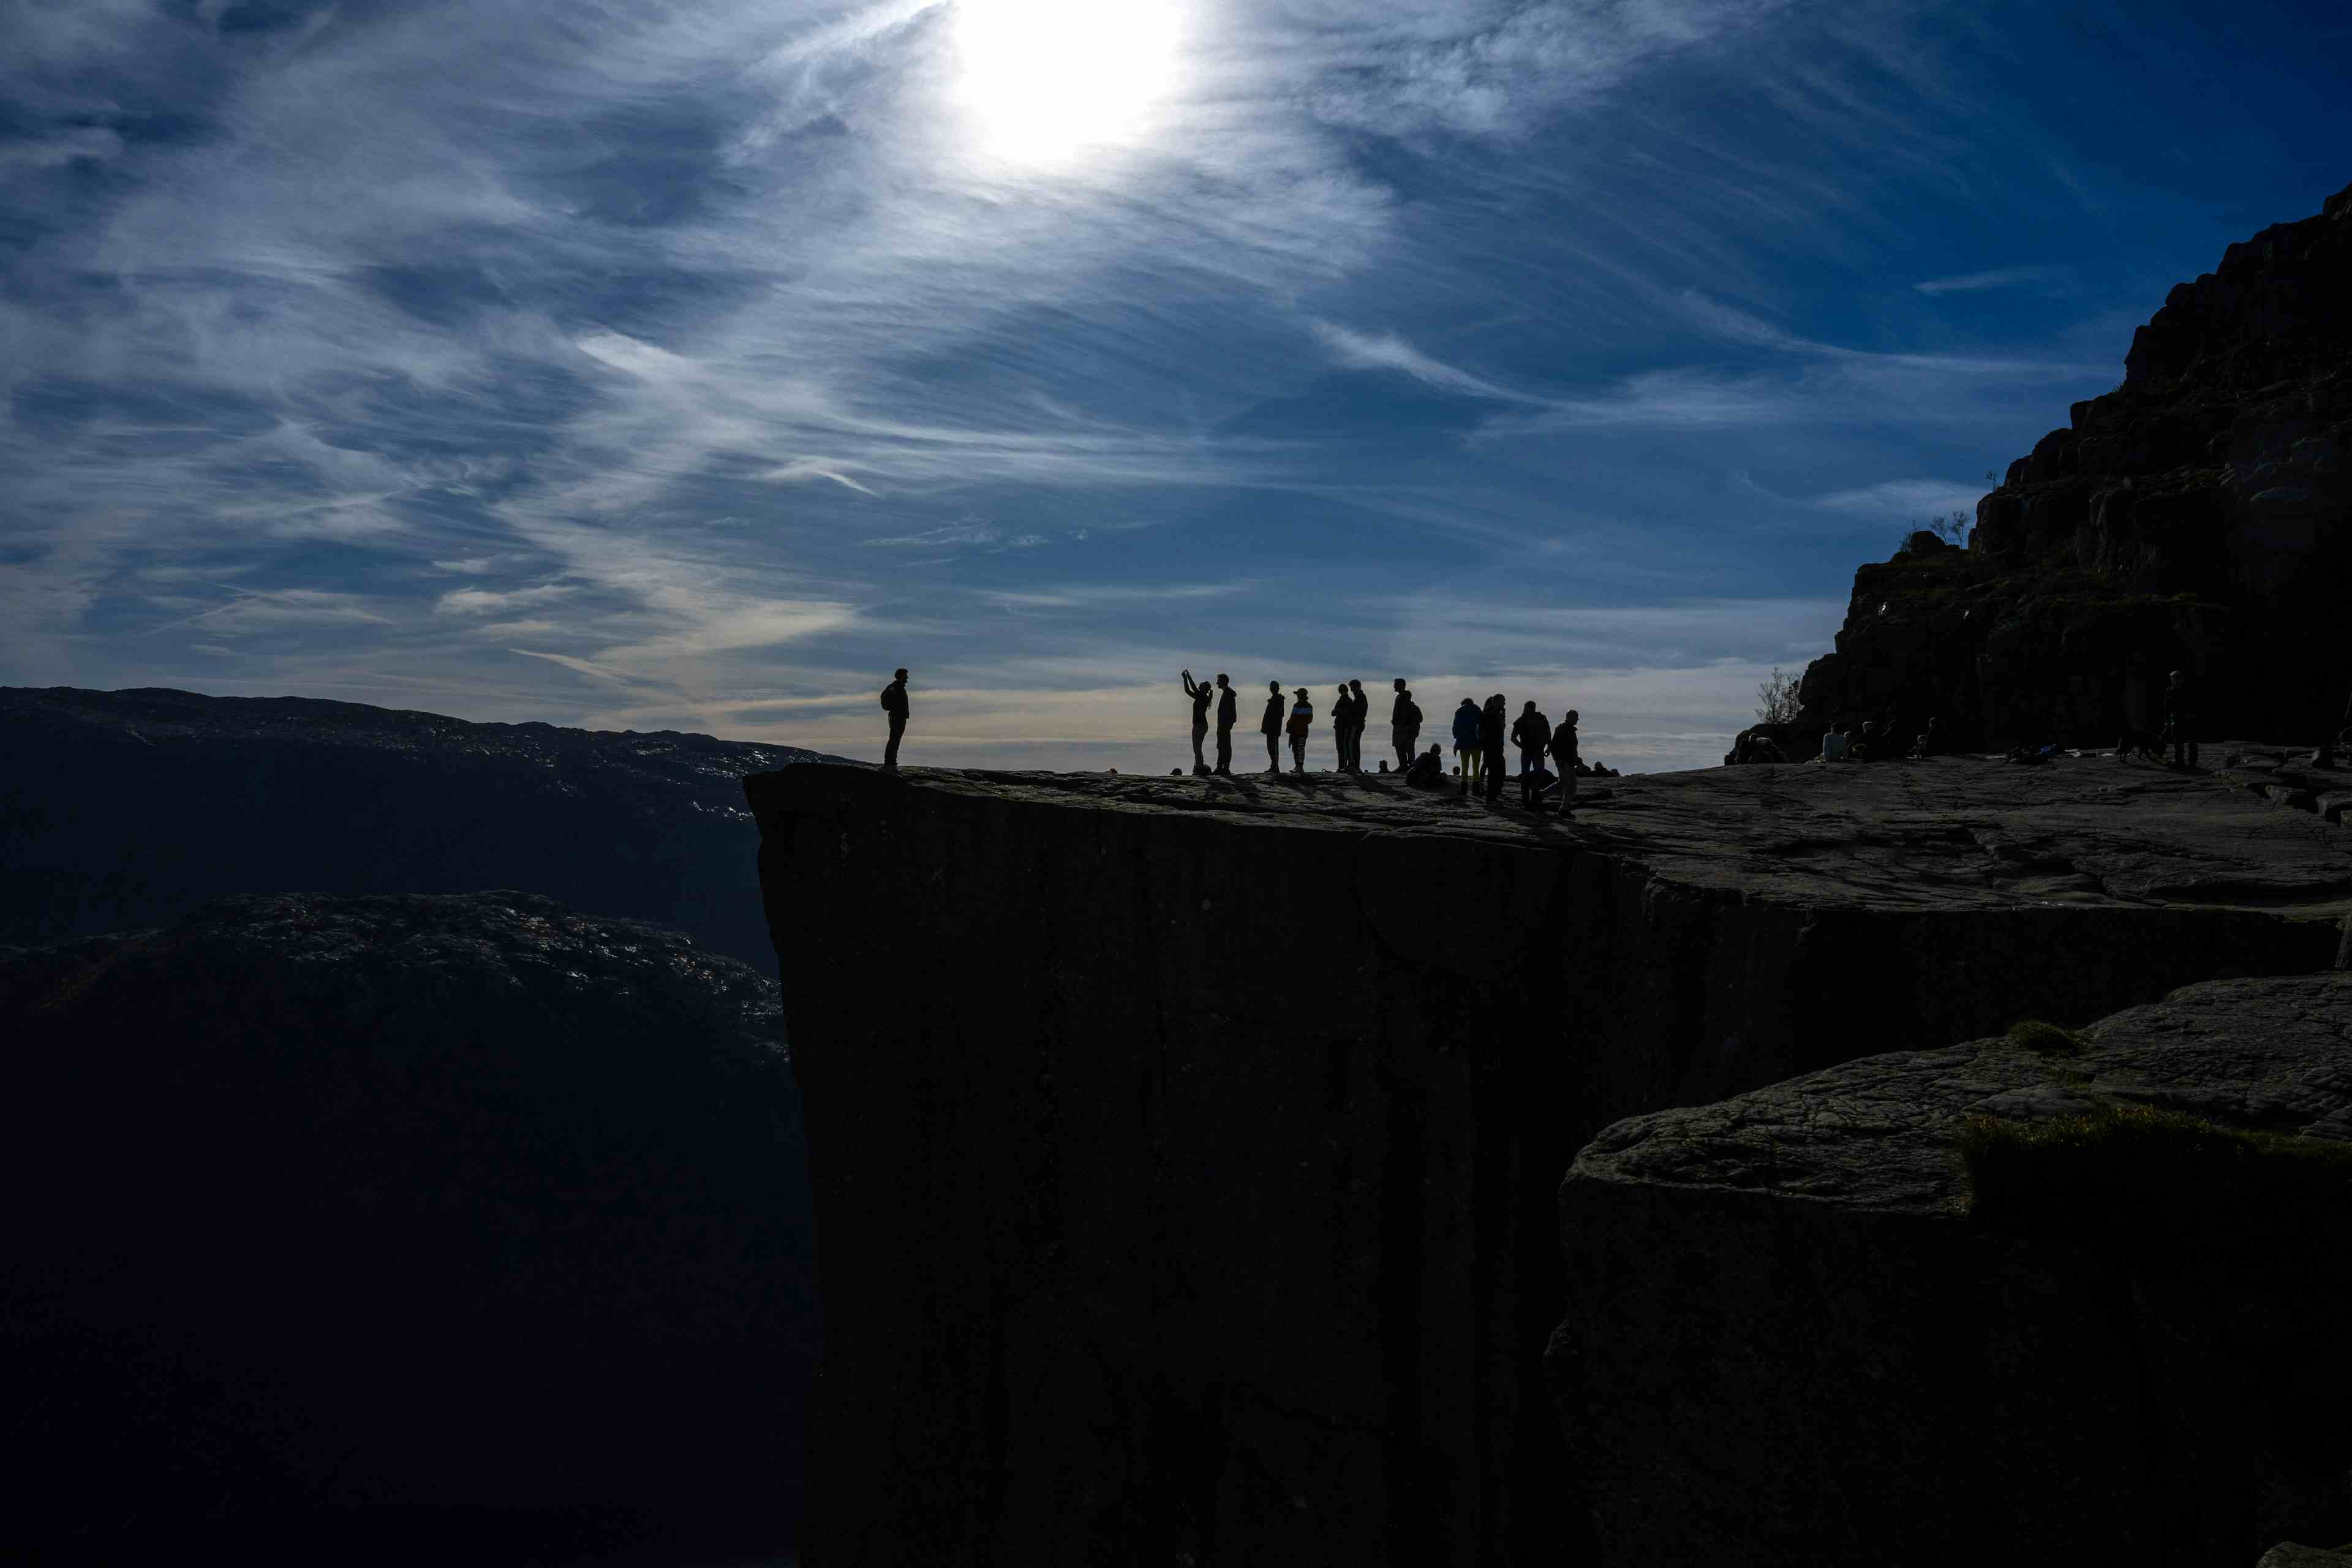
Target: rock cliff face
(131, 808)
(1186, 1151)
(326, 1214)
(2193, 519)
(1796, 1335)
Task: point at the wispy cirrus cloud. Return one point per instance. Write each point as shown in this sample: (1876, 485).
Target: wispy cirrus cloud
(1993, 277)
(635, 358)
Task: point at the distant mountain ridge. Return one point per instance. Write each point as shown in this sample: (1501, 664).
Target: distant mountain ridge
(122, 809)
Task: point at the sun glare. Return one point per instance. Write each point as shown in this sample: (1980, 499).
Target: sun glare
(1046, 81)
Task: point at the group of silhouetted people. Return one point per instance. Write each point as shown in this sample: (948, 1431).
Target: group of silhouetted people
(1479, 735)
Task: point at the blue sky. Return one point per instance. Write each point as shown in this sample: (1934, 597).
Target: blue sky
(690, 365)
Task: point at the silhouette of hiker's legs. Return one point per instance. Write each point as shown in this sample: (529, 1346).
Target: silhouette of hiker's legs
(891, 751)
(1200, 734)
(1224, 750)
(1568, 789)
(1490, 773)
(1273, 752)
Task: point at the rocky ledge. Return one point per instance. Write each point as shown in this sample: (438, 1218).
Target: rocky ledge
(333, 1218)
(2074, 1298)
(1186, 1151)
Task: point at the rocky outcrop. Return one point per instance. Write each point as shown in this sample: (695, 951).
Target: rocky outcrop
(2193, 519)
(332, 1219)
(1186, 1151)
(130, 809)
(1802, 1325)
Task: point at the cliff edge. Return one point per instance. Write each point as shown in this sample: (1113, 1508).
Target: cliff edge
(1186, 1151)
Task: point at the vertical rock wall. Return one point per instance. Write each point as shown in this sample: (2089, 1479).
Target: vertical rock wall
(1185, 1179)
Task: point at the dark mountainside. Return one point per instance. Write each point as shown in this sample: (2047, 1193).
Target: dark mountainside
(130, 809)
(2193, 519)
(1201, 1202)
(457, 1228)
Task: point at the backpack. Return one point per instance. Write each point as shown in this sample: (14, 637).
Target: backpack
(1412, 714)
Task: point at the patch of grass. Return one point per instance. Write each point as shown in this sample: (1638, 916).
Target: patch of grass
(2160, 1175)
(2044, 1039)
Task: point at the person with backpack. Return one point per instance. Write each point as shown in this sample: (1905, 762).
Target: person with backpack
(1531, 731)
(1492, 723)
(893, 704)
(1404, 724)
(1227, 711)
(1269, 724)
(1302, 724)
(1466, 742)
(1563, 757)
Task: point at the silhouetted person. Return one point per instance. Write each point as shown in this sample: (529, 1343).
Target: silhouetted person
(1302, 724)
(1531, 732)
(1227, 711)
(1563, 757)
(1428, 770)
(1341, 709)
(1466, 741)
(1492, 723)
(1201, 692)
(1270, 726)
(1360, 709)
(1404, 725)
(893, 704)
(2179, 719)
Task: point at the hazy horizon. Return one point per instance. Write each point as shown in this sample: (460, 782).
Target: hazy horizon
(640, 366)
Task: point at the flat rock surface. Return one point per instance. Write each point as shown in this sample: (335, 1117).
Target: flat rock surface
(2272, 1055)
(1947, 833)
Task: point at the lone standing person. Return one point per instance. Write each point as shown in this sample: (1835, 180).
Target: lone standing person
(2179, 715)
(1302, 724)
(1270, 726)
(1199, 691)
(1358, 707)
(893, 704)
(1492, 723)
(1404, 724)
(1228, 709)
(1563, 756)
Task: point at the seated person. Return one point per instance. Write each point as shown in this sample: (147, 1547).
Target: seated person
(1428, 771)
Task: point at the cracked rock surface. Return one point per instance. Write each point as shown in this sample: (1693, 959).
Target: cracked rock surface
(1787, 1334)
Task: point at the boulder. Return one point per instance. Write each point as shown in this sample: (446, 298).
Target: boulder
(2048, 1295)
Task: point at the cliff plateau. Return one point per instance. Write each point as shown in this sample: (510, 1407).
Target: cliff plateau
(2193, 519)
(1186, 1152)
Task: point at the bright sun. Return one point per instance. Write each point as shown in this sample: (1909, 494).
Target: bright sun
(1044, 80)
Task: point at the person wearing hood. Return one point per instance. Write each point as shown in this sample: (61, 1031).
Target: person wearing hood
(1466, 742)
(1493, 721)
(1270, 726)
(1302, 724)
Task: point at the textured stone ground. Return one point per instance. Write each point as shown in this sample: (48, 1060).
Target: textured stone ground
(1788, 1335)
(1947, 833)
